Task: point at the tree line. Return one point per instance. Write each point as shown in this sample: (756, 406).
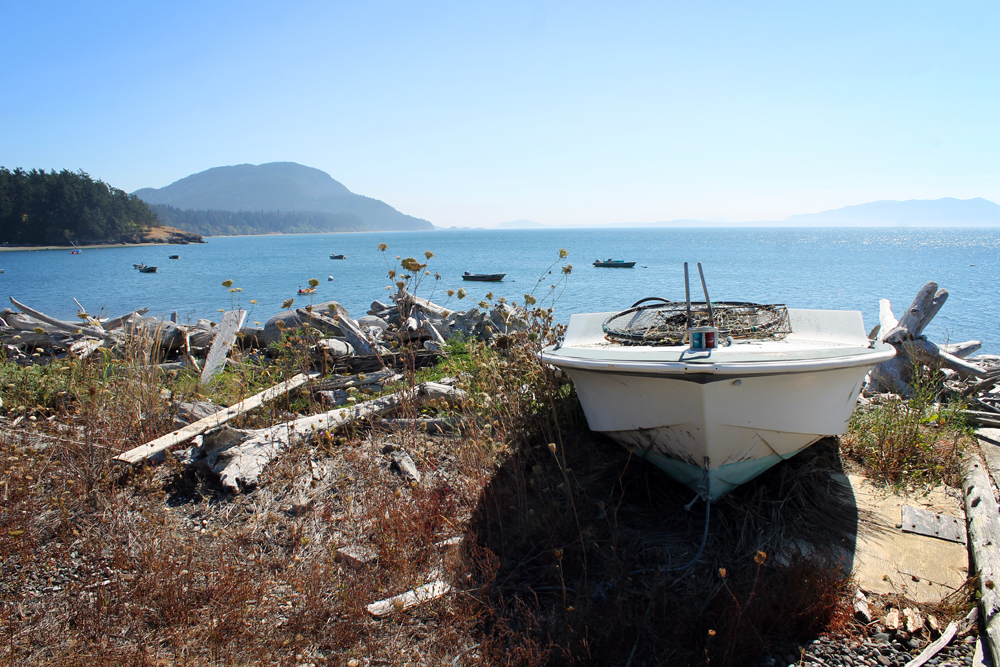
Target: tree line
(60, 208)
(238, 223)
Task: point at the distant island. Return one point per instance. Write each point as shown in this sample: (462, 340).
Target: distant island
(70, 208)
(277, 197)
(945, 212)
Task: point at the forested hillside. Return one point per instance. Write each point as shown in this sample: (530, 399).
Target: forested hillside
(59, 208)
(238, 223)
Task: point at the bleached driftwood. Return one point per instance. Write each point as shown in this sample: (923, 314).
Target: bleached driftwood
(81, 349)
(935, 647)
(962, 350)
(352, 333)
(404, 299)
(68, 327)
(430, 328)
(404, 601)
(386, 376)
(224, 338)
(241, 462)
(981, 514)
(912, 347)
(213, 421)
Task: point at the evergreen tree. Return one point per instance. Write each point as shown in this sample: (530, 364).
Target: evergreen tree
(59, 208)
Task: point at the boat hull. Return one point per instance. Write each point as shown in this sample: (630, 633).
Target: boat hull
(740, 425)
(726, 414)
(614, 265)
(484, 277)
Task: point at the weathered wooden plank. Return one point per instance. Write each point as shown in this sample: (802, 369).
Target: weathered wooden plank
(932, 524)
(989, 445)
(191, 430)
(225, 336)
(983, 518)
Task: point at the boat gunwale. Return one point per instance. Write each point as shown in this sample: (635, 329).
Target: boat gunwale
(680, 368)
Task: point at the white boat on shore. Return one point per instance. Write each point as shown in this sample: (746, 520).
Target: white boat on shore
(716, 418)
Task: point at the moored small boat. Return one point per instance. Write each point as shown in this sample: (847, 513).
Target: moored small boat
(613, 264)
(307, 290)
(338, 256)
(146, 269)
(175, 257)
(484, 277)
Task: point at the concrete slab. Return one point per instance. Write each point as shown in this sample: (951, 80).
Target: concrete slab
(887, 560)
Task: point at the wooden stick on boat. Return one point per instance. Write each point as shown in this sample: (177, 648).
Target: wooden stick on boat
(708, 302)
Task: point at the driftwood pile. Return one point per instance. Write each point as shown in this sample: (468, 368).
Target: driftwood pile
(239, 456)
(372, 346)
(954, 372)
(30, 336)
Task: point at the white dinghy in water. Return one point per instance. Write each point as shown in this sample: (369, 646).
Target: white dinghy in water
(760, 387)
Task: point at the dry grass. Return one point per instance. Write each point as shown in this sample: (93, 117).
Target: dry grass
(910, 446)
(570, 555)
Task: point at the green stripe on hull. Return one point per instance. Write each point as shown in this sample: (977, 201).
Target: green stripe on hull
(722, 479)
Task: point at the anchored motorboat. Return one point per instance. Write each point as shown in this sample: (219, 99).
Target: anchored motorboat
(715, 393)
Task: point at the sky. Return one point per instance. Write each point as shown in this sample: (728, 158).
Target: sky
(470, 113)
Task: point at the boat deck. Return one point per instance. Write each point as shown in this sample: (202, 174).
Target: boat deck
(817, 335)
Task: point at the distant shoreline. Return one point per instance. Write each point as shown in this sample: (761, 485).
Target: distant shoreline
(82, 247)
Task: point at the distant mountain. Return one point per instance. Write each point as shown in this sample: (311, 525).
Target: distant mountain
(298, 192)
(521, 224)
(947, 212)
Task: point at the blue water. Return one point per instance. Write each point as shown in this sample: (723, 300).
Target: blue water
(807, 268)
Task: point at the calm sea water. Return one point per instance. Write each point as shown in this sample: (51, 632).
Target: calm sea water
(808, 268)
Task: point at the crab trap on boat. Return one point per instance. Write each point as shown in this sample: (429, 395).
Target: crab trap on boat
(655, 321)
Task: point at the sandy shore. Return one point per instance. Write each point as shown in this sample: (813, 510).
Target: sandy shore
(82, 247)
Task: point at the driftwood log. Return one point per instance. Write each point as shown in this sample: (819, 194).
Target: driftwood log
(912, 347)
(239, 457)
(68, 327)
(224, 339)
(343, 321)
(212, 421)
(984, 540)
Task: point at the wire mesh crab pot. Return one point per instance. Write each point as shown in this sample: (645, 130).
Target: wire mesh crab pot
(667, 322)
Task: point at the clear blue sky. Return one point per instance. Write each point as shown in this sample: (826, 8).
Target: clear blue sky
(560, 112)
